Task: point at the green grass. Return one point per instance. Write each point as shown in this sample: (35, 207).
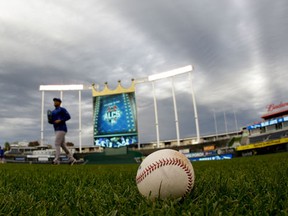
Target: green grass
(242, 186)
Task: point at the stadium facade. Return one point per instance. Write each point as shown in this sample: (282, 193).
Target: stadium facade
(268, 135)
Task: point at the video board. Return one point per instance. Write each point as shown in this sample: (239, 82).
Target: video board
(115, 120)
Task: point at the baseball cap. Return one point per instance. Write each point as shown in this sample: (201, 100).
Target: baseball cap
(57, 99)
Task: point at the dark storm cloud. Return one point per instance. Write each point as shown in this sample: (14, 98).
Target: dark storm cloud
(238, 50)
(186, 30)
(233, 45)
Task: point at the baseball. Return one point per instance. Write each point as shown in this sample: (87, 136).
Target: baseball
(165, 174)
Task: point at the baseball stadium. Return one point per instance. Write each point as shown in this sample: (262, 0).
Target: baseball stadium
(268, 136)
(232, 173)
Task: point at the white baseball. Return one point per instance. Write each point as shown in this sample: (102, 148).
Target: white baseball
(165, 173)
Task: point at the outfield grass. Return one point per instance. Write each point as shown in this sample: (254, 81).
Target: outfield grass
(242, 186)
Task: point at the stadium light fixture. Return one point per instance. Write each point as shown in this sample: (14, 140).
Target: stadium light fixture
(61, 87)
(171, 73)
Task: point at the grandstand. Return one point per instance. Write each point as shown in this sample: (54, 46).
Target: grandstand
(208, 143)
(269, 135)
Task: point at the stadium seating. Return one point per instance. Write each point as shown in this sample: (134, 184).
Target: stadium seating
(268, 136)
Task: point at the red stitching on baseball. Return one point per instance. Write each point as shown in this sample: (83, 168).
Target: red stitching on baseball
(164, 162)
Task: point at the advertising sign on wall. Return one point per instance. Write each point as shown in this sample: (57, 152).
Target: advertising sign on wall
(214, 157)
(208, 148)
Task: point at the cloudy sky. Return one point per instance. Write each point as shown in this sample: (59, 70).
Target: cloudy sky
(238, 50)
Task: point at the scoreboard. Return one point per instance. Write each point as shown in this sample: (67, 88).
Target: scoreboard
(115, 120)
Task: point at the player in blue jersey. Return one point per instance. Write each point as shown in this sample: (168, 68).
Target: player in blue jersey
(59, 117)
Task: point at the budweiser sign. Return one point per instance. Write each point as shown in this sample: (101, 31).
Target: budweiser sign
(273, 107)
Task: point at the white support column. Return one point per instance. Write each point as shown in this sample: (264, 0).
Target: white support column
(195, 109)
(235, 118)
(225, 122)
(156, 115)
(80, 124)
(61, 97)
(42, 119)
(139, 138)
(215, 124)
(176, 113)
